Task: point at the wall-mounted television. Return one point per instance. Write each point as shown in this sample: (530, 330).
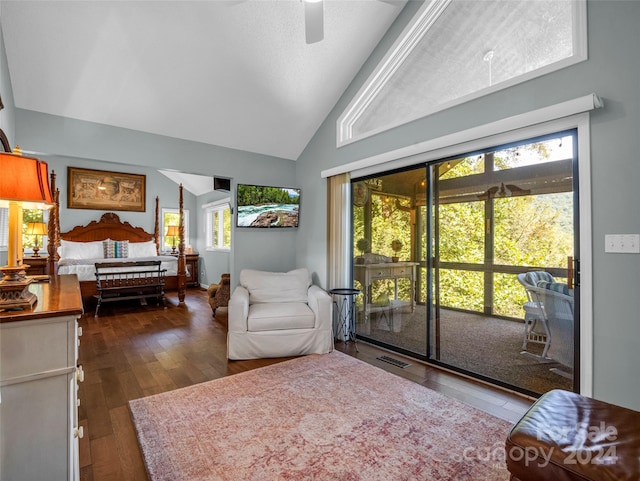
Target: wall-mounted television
(267, 207)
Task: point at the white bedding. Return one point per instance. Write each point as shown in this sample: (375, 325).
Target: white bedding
(86, 271)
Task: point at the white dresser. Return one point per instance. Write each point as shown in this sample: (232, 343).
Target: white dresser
(39, 375)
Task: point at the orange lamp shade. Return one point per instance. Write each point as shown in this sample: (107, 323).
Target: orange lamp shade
(26, 180)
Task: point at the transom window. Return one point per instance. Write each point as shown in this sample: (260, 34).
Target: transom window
(458, 50)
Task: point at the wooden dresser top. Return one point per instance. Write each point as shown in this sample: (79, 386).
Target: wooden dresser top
(58, 297)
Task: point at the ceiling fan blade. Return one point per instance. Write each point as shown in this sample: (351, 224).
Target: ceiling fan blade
(314, 20)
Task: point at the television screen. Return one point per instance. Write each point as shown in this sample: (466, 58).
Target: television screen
(263, 206)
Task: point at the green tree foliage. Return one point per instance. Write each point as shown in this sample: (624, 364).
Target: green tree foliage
(528, 231)
(257, 195)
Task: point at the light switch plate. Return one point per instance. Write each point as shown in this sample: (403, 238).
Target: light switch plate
(622, 243)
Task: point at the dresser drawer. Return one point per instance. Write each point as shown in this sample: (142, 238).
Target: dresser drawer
(380, 273)
(37, 346)
(402, 271)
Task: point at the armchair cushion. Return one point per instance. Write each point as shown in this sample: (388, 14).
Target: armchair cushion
(287, 315)
(276, 287)
(560, 287)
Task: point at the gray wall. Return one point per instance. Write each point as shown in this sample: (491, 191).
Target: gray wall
(63, 142)
(7, 115)
(612, 72)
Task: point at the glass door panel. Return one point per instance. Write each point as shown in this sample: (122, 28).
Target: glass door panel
(441, 252)
(389, 264)
(496, 215)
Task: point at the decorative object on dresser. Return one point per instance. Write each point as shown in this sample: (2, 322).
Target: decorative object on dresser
(102, 190)
(90, 243)
(24, 184)
(39, 375)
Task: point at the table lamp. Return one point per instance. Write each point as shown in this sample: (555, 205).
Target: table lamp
(24, 183)
(36, 229)
(173, 232)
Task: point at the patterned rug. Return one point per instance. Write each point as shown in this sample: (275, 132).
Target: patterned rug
(329, 417)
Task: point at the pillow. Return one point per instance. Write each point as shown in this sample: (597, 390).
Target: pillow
(265, 287)
(121, 249)
(142, 249)
(81, 250)
(533, 277)
(107, 249)
(554, 286)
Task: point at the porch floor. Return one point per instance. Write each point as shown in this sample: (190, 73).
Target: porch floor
(480, 344)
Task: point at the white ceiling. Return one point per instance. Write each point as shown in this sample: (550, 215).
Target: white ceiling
(194, 183)
(233, 73)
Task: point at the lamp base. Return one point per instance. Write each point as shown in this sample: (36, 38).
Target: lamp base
(14, 289)
(36, 249)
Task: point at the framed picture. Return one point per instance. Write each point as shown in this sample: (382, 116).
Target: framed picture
(105, 190)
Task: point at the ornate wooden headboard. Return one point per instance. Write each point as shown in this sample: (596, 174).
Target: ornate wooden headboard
(108, 227)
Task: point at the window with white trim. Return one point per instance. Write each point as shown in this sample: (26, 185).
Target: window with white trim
(28, 241)
(218, 225)
(454, 51)
(171, 217)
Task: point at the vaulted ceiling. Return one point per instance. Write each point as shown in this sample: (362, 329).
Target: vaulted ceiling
(235, 73)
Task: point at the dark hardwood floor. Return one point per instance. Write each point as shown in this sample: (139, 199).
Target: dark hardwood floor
(132, 351)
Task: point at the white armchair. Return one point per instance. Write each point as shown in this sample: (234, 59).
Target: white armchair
(278, 314)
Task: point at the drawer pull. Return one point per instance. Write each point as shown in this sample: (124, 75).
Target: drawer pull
(78, 432)
(79, 331)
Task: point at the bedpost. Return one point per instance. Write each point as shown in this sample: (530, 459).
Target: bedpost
(182, 261)
(156, 228)
(53, 228)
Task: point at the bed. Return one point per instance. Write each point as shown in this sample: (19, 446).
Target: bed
(111, 240)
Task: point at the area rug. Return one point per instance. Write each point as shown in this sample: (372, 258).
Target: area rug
(320, 417)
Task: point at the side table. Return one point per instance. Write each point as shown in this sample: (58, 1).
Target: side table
(37, 265)
(344, 302)
(193, 277)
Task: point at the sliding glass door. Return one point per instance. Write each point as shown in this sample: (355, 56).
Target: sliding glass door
(390, 259)
(468, 262)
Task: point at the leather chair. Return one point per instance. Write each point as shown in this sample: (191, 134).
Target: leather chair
(278, 314)
(568, 437)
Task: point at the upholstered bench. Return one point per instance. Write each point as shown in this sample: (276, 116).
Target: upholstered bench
(565, 436)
